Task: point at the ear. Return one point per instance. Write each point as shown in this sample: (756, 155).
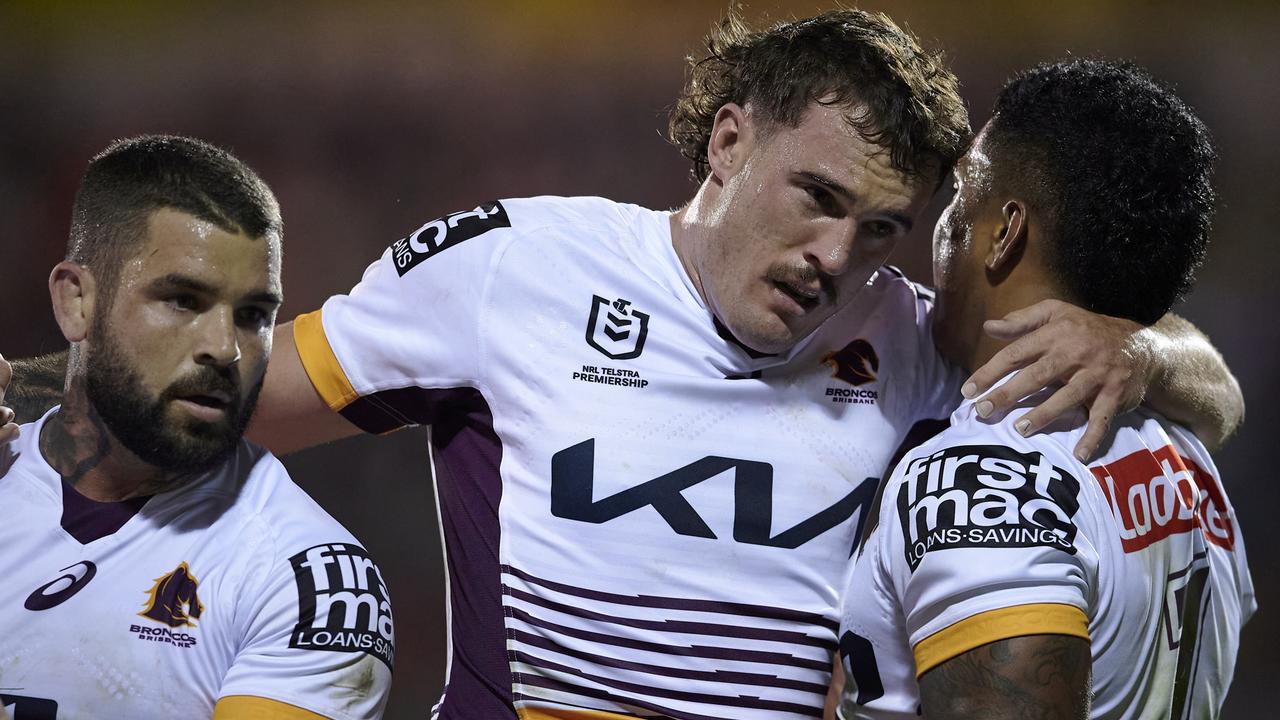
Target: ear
(1010, 237)
(72, 290)
(731, 137)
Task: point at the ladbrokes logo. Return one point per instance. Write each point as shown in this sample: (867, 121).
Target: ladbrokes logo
(1157, 494)
(343, 604)
(986, 496)
(171, 601)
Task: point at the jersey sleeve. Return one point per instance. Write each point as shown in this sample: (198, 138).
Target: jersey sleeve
(386, 354)
(982, 542)
(316, 630)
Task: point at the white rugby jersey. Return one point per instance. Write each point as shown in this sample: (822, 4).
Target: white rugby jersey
(640, 517)
(236, 584)
(985, 535)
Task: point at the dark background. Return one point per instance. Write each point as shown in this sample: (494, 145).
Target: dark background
(369, 119)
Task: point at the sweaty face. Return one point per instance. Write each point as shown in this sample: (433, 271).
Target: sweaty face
(801, 225)
(958, 269)
(175, 363)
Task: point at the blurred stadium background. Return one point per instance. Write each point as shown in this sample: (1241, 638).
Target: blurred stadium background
(371, 118)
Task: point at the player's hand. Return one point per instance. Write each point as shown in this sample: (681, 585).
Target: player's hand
(8, 428)
(1104, 364)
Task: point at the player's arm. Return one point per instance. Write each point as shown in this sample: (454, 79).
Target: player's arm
(247, 707)
(291, 415)
(1109, 365)
(1038, 676)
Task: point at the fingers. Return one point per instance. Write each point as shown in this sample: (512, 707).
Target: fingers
(1101, 414)
(1021, 322)
(1032, 379)
(8, 427)
(6, 374)
(1068, 398)
(1017, 354)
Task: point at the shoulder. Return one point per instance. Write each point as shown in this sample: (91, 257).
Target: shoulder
(264, 506)
(537, 224)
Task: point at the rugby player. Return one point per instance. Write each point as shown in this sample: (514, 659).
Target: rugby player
(654, 434)
(155, 564)
(1005, 578)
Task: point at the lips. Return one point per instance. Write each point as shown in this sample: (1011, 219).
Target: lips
(806, 296)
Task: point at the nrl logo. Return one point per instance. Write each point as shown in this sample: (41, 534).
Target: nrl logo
(173, 600)
(620, 334)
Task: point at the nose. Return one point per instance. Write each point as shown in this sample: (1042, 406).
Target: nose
(830, 251)
(217, 343)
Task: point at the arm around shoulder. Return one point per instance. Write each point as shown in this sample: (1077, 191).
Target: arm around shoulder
(1193, 386)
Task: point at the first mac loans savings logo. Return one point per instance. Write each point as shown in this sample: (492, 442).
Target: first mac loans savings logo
(986, 496)
(343, 603)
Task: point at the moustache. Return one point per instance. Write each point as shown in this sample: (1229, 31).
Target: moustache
(206, 381)
(803, 275)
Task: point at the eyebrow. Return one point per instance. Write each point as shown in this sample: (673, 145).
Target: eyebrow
(174, 281)
(904, 220)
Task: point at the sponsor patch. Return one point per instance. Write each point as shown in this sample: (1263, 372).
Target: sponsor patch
(616, 329)
(1156, 494)
(443, 233)
(343, 604)
(986, 496)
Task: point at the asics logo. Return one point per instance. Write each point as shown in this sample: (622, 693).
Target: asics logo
(60, 589)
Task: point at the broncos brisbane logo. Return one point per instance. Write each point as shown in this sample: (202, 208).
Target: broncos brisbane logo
(173, 600)
(855, 363)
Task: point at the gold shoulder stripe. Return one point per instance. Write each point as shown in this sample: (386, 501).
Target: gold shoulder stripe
(248, 707)
(320, 363)
(567, 714)
(1001, 624)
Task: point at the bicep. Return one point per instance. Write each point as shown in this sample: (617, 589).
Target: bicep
(291, 415)
(1036, 676)
(248, 707)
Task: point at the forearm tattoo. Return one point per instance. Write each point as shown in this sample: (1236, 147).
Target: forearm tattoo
(1041, 677)
(37, 385)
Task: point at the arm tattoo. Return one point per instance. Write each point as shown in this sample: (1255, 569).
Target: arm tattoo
(1040, 677)
(38, 384)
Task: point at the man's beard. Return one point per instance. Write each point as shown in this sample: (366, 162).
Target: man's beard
(140, 422)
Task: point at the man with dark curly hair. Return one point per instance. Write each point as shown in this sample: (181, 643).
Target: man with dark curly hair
(654, 434)
(1004, 572)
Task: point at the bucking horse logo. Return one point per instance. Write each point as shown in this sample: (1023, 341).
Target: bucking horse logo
(173, 600)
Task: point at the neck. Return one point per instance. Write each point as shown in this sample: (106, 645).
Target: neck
(688, 234)
(77, 444)
(1011, 299)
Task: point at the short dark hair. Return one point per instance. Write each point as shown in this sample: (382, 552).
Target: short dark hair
(838, 58)
(1122, 168)
(132, 178)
